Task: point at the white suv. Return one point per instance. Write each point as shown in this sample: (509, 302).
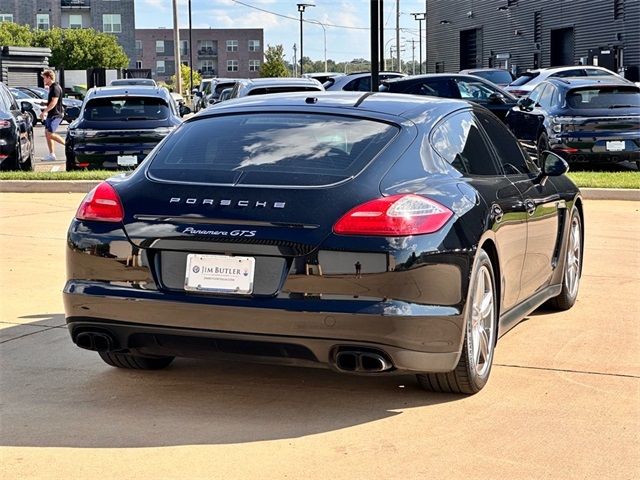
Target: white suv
(524, 84)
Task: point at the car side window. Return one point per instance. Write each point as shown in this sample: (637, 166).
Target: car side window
(574, 72)
(546, 99)
(513, 159)
(470, 90)
(457, 139)
(594, 72)
(537, 93)
(4, 104)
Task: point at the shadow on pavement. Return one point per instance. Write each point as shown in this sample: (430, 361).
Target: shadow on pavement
(57, 395)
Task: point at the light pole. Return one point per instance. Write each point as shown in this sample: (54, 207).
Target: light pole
(301, 7)
(176, 47)
(420, 17)
(190, 92)
(324, 32)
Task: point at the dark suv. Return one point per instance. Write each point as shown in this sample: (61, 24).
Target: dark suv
(581, 119)
(16, 134)
(118, 126)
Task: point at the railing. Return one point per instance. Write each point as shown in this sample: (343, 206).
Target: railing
(75, 3)
(207, 52)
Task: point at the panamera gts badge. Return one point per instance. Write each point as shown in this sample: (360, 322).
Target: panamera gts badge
(219, 233)
(226, 203)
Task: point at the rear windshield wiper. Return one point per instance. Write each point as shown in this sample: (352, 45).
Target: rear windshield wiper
(138, 118)
(621, 106)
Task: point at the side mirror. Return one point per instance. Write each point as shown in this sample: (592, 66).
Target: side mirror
(72, 113)
(194, 91)
(525, 103)
(496, 97)
(184, 110)
(552, 165)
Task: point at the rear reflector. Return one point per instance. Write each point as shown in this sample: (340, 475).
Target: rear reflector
(101, 204)
(398, 215)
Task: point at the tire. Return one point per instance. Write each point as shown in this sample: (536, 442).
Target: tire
(135, 362)
(473, 369)
(572, 267)
(541, 146)
(34, 118)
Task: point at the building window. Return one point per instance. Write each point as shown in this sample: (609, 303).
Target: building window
(254, 65)
(184, 47)
(232, 65)
(75, 21)
(618, 9)
(6, 17)
(111, 23)
(159, 66)
(139, 47)
(138, 63)
(232, 45)
(254, 45)
(159, 46)
(42, 21)
(206, 67)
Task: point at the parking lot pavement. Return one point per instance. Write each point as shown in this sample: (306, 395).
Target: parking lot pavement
(563, 400)
(41, 149)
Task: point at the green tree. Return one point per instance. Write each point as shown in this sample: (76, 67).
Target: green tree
(12, 34)
(82, 48)
(274, 64)
(185, 73)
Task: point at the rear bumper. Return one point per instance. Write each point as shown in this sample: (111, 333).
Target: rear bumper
(583, 149)
(415, 338)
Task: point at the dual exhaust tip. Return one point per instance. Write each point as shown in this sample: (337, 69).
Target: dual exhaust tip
(96, 341)
(361, 361)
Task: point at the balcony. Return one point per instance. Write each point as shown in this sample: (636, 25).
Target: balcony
(71, 4)
(207, 72)
(207, 52)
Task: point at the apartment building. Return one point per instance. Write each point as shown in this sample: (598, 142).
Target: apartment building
(228, 53)
(110, 16)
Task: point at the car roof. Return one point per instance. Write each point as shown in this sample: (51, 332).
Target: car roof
(123, 90)
(471, 70)
(394, 104)
(577, 82)
(280, 81)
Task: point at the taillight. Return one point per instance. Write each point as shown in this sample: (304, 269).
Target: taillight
(397, 215)
(5, 124)
(101, 204)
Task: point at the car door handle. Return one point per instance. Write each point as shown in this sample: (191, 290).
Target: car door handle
(530, 207)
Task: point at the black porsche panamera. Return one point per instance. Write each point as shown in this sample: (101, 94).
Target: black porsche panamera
(370, 233)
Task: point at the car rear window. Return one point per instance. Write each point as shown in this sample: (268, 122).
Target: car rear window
(525, 78)
(126, 108)
(292, 149)
(293, 88)
(497, 77)
(604, 97)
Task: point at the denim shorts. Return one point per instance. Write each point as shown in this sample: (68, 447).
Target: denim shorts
(51, 124)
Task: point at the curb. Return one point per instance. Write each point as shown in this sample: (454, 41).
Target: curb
(84, 186)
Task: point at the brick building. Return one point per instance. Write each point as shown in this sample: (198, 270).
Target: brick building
(216, 52)
(115, 17)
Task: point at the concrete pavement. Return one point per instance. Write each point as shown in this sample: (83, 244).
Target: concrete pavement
(563, 400)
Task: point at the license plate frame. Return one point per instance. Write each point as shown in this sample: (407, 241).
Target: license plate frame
(127, 160)
(225, 274)
(615, 145)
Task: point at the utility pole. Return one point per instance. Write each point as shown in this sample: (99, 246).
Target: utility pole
(190, 53)
(295, 59)
(381, 36)
(413, 55)
(398, 31)
(176, 47)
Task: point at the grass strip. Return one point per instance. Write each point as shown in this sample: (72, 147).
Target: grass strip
(582, 179)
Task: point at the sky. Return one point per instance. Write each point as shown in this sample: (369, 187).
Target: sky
(346, 23)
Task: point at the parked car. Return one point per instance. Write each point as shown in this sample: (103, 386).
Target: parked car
(581, 119)
(323, 77)
(180, 104)
(371, 234)
(357, 82)
(263, 86)
(199, 94)
(16, 133)
(497, 76)
(224, 95)
(118, 126)
(450, 85)
(33, 106)
(217, 87)
(43, 94)
(121, 82)
(524, 84)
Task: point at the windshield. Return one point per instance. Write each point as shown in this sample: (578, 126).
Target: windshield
(496, 76)
(525, 78)
(604, 97)
(271, 149)
(126, 108)
(20, 94)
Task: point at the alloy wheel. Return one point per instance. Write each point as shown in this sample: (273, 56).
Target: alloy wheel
(482, 322)
(572, 269)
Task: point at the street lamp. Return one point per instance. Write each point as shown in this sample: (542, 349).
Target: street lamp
(301, 8)
(324, 32)
(420, 17)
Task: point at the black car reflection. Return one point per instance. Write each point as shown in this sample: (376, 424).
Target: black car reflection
(369, 233)
(582, 120)
(118, 126)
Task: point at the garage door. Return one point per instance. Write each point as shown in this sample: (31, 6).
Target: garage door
(23, 77)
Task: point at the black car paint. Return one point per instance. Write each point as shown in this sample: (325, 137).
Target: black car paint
(16, 140)
(125, 278)
(533, 123)
(446, 86)
(110, 139)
